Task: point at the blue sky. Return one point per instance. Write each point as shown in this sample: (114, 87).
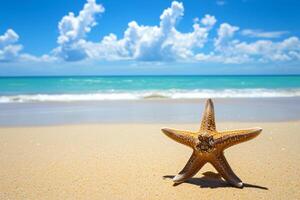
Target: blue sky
(149, 37)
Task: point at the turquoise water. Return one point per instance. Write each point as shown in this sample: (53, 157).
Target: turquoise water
(22, 89)
(54, 85)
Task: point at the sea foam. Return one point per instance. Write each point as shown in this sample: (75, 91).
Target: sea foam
(152, 94)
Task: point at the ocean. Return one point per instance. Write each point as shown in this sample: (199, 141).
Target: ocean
(97, 88)
(30, 101)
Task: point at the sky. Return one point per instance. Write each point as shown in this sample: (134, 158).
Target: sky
(133, 37)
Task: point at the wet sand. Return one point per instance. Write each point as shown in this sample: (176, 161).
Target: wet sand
(148, 111)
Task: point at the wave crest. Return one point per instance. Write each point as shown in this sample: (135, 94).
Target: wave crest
(163, 94)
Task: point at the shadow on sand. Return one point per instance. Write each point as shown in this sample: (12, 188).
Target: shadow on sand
(212, 180)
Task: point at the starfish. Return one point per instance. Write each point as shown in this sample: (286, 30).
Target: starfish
(208, 146)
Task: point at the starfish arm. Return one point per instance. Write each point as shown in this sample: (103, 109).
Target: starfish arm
(194, 164)
(223, 168)
(208, 118)
(184, 137)
(227, 139)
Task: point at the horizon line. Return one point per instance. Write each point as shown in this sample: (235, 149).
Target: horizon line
(142, 75)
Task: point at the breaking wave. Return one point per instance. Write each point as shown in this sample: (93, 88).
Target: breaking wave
(162, 94)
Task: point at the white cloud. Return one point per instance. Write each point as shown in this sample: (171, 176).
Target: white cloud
(223, 47)
(231, 50)
(165, 42)
(209, 20)
(9, 37)
(225, 33)
(162, 42)
(263, 34)
(223, 58)
(73, 30)
(285, 50)
(154, 43)
(25, 57)
(9, 50)
(234, 51)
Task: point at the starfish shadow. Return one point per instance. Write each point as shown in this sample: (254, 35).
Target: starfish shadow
(211, 180)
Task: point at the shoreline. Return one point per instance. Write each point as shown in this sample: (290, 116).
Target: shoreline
(148, 111)
(163, 124)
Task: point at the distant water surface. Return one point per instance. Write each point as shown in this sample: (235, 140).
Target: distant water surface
(95, 88)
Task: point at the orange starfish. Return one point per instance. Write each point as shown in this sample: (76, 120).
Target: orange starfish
(208, 145)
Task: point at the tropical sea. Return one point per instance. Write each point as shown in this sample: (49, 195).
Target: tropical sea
(96, 88)
(146, 99)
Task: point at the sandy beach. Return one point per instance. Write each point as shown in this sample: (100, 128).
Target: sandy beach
(136, 161)
(92, 94)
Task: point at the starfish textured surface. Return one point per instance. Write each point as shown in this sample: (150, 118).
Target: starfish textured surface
(208, 146)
